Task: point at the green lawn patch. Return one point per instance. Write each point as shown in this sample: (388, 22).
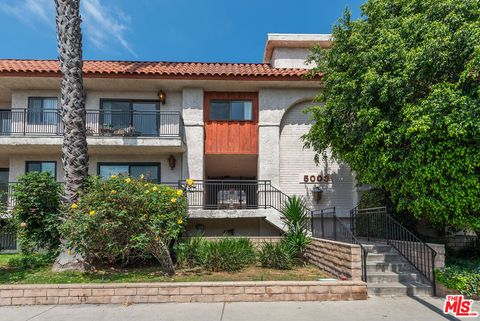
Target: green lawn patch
(11, 275)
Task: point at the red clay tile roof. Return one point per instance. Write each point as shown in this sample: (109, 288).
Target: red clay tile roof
(143, 69)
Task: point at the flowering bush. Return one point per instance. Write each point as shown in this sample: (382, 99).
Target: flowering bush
(36, 215)
(122, 220)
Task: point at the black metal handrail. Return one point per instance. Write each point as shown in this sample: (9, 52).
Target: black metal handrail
(105, 123)
(376, 225)
(326, 224)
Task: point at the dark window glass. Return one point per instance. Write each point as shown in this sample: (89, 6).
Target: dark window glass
(108, 170)
(219, 110)
(42, 110)
(231, 110)
(139, 116)
(149, 171)
(48, 167)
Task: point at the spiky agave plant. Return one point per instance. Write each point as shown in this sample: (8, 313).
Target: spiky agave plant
(295, 216)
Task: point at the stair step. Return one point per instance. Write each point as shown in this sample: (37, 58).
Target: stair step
(379, 266)
(398, 289)
(391, 277)
(385, 257)
(378, 248)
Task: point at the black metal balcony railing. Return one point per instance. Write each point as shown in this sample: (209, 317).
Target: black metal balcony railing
(235, 194)
(98, 123)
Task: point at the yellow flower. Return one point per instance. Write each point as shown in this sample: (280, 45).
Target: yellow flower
(91, 213)
(113, 176)
(189, 181)
(69, 252)
(179, 221)
(179, 192)
(145, 185)
(74, 206)
(128, 180)
(113, 191)
(154, 188)
(147, 191)
(173, 200)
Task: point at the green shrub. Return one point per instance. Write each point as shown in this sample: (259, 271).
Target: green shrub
(228, 254)
(32, 261)
(190, 252)
(122, 220)
(36, 214)
(276, 256)
(296, 217)
(463, 276)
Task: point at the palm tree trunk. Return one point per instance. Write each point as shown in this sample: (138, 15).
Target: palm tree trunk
(74, 148)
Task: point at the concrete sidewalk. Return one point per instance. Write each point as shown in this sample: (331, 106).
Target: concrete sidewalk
(390, 309)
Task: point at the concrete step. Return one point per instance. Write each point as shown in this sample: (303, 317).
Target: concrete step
(391, 277)
(380, 266)
(399, 289)
(379, 248)
(385, 257)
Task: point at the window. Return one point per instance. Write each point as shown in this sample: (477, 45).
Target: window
(49, 167)
(42, 110)
(150, 171)
(236, 110)
(121, 114)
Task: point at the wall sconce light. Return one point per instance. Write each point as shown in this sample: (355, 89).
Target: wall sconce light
(171, 162)
(162, 96)
(317, 193)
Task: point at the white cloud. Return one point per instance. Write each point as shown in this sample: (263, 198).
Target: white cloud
(31, 11)
(104, 26)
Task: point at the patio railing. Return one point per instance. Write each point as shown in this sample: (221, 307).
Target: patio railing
(27, 122)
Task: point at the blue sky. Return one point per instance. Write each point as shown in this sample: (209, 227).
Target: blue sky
(166, 30)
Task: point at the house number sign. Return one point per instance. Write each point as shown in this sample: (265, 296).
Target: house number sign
(316, 178)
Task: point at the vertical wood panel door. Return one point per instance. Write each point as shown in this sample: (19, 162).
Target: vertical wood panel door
(230, 136)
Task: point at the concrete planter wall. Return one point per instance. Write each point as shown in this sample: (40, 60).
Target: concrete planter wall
(182, 292)
(336, 258)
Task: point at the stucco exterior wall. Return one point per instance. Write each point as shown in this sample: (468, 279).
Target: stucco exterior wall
(167, 175)
(92, 102)
(291, 58)
(192, 99)
(297, 161)
(239, 226)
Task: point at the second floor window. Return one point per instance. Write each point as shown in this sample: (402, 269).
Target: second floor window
(43, 110)
(234, 110)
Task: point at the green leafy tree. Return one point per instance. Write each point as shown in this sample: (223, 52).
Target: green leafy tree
(122, 220)
(400, 105)
(36, 215)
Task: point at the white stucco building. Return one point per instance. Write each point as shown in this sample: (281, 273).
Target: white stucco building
(234, 128)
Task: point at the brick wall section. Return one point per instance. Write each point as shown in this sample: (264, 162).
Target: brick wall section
(182, 292)
(336, 258)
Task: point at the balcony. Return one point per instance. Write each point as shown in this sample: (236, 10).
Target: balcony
(104, 127)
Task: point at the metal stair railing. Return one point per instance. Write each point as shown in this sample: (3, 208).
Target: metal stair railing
(376, 225)
(326, 224)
